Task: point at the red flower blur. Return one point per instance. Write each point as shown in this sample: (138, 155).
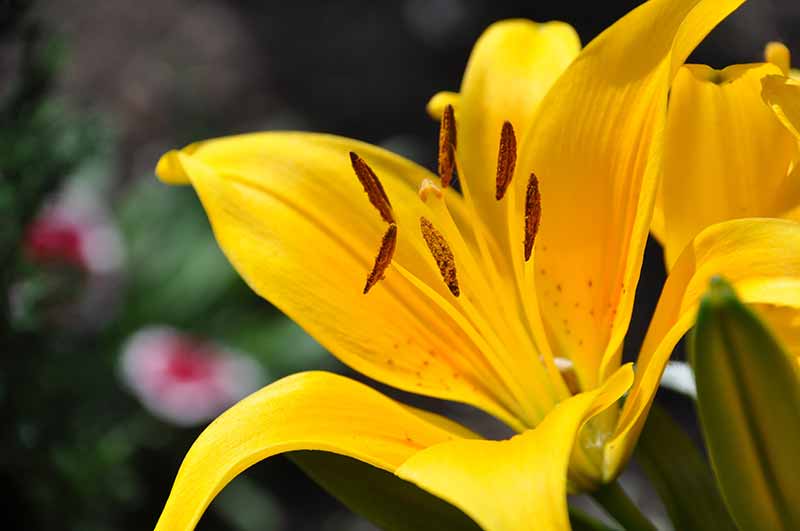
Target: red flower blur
(184, 380)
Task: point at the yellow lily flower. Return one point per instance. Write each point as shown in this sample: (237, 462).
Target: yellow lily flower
(726, 155)
(514, 297)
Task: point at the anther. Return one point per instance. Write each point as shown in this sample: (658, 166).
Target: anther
(441, 253)
(383, 259)
(428, 187)
(533, 214)
(447, 146)
(373, 187)
(506, 159)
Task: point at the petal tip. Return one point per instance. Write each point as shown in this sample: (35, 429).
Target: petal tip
(436, 105)
(170, 169)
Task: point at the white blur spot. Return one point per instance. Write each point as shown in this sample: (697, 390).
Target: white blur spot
(678, 376)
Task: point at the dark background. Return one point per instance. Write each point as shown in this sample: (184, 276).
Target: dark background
(131, 80)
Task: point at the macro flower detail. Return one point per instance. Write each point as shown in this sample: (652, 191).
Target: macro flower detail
(183, 380)
(513, 296)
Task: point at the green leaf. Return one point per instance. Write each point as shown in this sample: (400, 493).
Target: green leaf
(379, 496)
(581, 521)
(748, 396)
(681, 476)
(178, 273)
(246, 506)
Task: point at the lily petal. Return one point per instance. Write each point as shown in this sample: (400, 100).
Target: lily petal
(439, 101)
(511, 68)
(294, 221)
(305, 411)
(784, 323)
(596, 146)
(526, 475)
(726, 154)
(759, 257)
(783, 95)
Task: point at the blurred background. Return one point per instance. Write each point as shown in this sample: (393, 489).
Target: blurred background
(123, 330)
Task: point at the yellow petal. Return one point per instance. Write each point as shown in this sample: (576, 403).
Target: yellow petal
(290, 215)
(759, 257)
(726, 154)
(783, 95)
(439, 101)
(512, 66)
(596, 145)
(305, 411)
(778, 54)
(520, 483)
(784, 322)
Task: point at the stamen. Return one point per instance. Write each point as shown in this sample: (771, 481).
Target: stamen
(447, 146)
(383, 259)
(428, 187)
(373, 187)
(570, 377)
(533, 214)
(506, 159)
(441, 253)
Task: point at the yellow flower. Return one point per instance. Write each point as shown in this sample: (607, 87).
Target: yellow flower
(726, 156)
(514, 297)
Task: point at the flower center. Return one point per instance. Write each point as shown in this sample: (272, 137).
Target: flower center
(189, 362)
(493, 303)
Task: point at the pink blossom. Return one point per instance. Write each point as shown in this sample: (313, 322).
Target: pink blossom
(184, 380)
(74, 229)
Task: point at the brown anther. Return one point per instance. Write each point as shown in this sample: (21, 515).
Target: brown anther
(447, 146)
(533, 214)
(373, 187)
(441, 253)
(506, 159)
(383, 259)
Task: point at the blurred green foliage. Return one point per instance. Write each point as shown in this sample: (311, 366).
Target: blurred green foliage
(77, 451)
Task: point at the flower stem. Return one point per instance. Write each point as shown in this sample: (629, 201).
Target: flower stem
(618, 505)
